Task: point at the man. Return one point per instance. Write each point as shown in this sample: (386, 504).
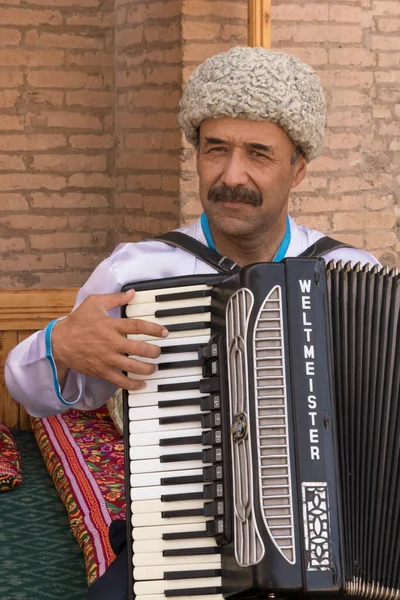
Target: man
(256, 118)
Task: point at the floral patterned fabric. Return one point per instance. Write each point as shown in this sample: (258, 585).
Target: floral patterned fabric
(10, 461)
(84, 454)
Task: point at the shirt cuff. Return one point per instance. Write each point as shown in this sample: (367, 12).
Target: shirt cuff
(74, 386)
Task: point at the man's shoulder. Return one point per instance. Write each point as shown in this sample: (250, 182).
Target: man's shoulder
(152, 259)
(303, 237)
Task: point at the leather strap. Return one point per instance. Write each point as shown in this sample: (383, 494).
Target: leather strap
(220, 263)
(322, 247)
(223, 264)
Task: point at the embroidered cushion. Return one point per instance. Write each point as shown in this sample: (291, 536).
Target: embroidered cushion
(10, 461)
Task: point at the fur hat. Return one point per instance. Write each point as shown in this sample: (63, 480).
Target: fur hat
(259, 85)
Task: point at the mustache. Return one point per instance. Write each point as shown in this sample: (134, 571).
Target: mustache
(239, 193)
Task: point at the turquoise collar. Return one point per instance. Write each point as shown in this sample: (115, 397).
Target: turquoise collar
(284, 245)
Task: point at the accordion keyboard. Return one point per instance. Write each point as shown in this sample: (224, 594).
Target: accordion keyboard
(176, 489)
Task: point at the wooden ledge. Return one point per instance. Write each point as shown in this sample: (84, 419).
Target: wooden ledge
(30, 310)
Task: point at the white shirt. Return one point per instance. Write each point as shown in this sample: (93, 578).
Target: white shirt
(30, 373)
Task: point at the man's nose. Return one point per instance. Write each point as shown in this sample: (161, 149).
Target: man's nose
(234, 172)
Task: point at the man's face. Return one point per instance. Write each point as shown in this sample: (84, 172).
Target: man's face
(246, 175)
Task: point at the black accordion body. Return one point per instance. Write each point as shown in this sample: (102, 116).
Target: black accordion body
(262, 457)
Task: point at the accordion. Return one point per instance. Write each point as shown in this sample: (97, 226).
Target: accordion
(262, 458)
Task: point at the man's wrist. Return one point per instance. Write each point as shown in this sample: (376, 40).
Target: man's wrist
(56, 351)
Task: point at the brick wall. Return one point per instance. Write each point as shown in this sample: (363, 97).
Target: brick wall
(56, 140)
(353, 190)
(148, 88)
(86, 161)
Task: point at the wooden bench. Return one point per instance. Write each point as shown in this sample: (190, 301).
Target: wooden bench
(23, 312)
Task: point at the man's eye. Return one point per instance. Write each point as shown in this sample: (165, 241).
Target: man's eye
(257, 154)
(217, 149)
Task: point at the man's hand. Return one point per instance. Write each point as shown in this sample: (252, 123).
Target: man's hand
(95, 344)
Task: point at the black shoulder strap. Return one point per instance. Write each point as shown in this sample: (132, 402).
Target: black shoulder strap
(222, 264)
(322, 247)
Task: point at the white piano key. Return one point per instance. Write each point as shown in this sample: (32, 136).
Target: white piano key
(149, 308)
(162, 597)
(140, 337)
(154, 533)
(146, 413)
(149, 452)
(158, 559)
(153, 519)
(154, 464)
(160, 585)
(147, 296)
(167, 358)
(172, 373)
(153, 439)
(200, 340)
(152, 479)
(152, 386)
(152, 426)
(158, 506)
(157, 572)
(159, 545)
(153, 398)
(156, 491)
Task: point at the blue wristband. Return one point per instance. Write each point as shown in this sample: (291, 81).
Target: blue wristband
(50, 358)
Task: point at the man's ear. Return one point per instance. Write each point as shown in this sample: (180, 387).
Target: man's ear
(300, 171)
(197, 158)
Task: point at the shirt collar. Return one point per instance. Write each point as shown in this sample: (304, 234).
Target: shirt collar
(281, 253)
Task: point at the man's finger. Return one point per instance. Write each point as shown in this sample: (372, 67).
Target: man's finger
(110, 301)
(124, 382)
(141, 327)
(142, 349)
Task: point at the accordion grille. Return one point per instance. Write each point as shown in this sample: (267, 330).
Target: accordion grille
(249, 549)
(272, 425)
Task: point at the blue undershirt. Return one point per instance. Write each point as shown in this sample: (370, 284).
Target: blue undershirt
(281, 253)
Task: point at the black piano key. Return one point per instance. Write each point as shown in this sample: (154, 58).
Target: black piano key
(182, 497)
(178, 387)
(214, 490)
(208, 386)
(182, 480)
(212, 419)
(214, 509)
(212, 402)
(214, 527)
(179, 349)
(210, 368)
(189, 512)
(183, 295)
(173, 327)
(191, 551)
(209, 350)
(180, 419)
(184, 310)
(211, 455)
(210, 474)
(211, 438)
(205, 591)
(171, 575)
(168, 458)
(184, 535)
(181, 402)
(181, 441)
(183, 364)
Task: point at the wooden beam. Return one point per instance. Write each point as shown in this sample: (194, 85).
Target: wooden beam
(259, 23)
(29, 310)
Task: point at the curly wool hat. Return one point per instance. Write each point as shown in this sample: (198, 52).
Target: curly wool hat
(259, 85)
